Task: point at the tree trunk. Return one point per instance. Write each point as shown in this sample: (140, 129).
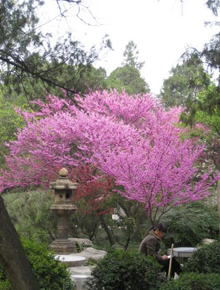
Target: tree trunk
(107, 230)
(12, 255)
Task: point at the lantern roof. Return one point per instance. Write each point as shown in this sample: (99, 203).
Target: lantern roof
(63, 182)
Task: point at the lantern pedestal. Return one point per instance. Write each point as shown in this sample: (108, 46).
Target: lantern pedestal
(63, 247)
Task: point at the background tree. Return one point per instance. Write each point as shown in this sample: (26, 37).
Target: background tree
(209, 57)
(184, 84)
(128, 76)
(191, 87)
(197, 63)
(30, 65)
(131, 55)
(10, 122)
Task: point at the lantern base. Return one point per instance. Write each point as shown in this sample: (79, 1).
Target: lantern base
(61, 246)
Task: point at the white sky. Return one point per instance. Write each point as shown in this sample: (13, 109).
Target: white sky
(161, 29)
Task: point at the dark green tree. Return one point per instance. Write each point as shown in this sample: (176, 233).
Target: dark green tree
(184, 84)
(128, 78)
(209, 59)
(190, 86)
(29, 64)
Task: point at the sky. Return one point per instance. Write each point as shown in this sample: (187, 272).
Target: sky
(162, 30)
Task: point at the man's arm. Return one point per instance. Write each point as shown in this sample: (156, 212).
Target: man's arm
(151, 246)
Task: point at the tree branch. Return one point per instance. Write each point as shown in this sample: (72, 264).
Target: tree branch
(24, 68)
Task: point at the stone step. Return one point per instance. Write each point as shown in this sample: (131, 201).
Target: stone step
(82, 270)
(79, 280)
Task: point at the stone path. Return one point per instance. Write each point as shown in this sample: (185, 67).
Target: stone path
(79, 273)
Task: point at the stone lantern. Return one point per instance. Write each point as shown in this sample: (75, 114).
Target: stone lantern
(63, 208)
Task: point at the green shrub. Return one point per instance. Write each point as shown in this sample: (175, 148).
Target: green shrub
(205, 260)
(189, 224)
(194, 281)
(50, 273)
(5, 285)
(126, 270)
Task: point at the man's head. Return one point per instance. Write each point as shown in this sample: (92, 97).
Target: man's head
(160, 230)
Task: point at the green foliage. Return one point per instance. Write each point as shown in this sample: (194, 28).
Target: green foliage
(213, 120)
(50, 273)
(211, 136)
(10, 122)
(31, 66)
(127, 229)
(205, 259)
(127, 78)
(4, 283)
(31, 215)
(84, 224)
(185, 82)
(131, 56)
(189, 224)
(91, 79)
(206, 97)
(194, 281)
(124, 270)
(132, 221)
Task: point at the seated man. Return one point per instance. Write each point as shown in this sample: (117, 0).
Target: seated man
(150, 246)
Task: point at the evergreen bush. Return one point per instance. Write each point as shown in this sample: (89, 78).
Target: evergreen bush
(126, 270)
(188, 225)
(205, 259)
(194, 281)
(5, 285)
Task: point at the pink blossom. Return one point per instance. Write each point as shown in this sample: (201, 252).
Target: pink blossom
(131, 139)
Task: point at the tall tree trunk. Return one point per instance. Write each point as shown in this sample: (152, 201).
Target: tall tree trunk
(111, 237)
(12, 255)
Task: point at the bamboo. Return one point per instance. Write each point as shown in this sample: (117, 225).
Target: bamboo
(170, 264)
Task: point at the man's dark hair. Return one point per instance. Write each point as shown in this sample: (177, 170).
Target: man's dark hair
(161, 227)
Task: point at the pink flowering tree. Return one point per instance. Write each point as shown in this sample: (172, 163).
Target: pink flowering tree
(130, 139)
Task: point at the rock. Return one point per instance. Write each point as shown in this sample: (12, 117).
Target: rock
(207, 241)
(81, 242)
(92, 254)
